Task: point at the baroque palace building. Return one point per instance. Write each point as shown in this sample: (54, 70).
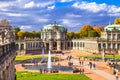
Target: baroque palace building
(7, 52)
(53, 37)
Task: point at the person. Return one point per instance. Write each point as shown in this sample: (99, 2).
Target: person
(90, 64)
(114, 71)
(116, 76)
(40, 71)
(82, 63)
(80, 70)
(94, 66)
(79, 58)
(83, 70)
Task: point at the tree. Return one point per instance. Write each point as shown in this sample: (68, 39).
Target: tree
(77, 34)
(85, 30)
(70, 35)
(17, 29)
(98, 30)
(117, 21)
(92, 33)
(21, 34)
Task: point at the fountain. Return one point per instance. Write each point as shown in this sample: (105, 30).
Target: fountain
(49, 66)
(49, 61)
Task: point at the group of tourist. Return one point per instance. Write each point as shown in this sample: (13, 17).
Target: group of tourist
(43, 71)
(69, 57)
(115, 72)
(81, 70)
(92, 65)
(81, 63)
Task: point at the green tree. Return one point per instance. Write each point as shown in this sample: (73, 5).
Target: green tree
(92, 33)
(85, 30)
(70, 35)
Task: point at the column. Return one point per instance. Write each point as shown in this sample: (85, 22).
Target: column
(50, 35)
(59, 45)
(58, 35)
(111, 45)
(51, 45)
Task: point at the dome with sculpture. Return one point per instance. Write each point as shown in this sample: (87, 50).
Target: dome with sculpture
(54, 26)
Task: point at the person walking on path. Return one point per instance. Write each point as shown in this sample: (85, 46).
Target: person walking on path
(116, 76)
(82, 63)
(40, 71)
(83, 70)
(80, 70)
(94, 66)
(90, 64)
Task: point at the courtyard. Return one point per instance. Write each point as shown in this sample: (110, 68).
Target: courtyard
(102, 71)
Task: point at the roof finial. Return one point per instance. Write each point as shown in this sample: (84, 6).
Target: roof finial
(55, 23)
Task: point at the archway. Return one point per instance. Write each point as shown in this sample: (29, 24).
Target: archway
(54, 45)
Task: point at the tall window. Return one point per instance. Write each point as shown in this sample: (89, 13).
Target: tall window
(118, 36)
(55, 36)
(99, 46)
(109, 36)
(74, 44)
(114, 36)
(114, 46)
(77, 44)
(62, 35)
(109, 46)
(47, 35)
(118, 46)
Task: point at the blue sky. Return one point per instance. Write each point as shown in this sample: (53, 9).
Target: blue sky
(32, 15)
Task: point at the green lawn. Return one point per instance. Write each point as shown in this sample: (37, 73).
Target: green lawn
(20, 58)
(99, 56)
(38, 76)
(26, 57)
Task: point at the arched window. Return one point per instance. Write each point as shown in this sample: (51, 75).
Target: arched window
(22, 46)
(71, 44)
(74, 44)
(62, 35)
(17, 46)
(47, 35)
(77, 44)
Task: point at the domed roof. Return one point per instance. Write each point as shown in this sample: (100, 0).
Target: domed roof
(51, 27)
(111, 27)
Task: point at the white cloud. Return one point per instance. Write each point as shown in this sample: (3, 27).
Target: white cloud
(5, 5)
(70, 22)
(40, 4)
(15, 14)
(51, 7)
(73, 15)
(113, 11)
(65, 1)
(24, 27)
(42, 20)
(29, 5)
(93, 7)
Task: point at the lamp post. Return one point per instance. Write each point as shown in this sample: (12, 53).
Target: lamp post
(103, 54)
